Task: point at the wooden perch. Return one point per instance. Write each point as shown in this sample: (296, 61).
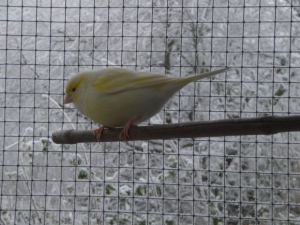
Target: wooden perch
(217, 128)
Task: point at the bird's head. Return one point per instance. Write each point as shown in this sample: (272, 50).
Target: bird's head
(75, 87)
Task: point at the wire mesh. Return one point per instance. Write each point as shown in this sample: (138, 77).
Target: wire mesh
(232, 180)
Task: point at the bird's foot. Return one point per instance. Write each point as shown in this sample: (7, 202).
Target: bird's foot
(98, 132)
(125, 132)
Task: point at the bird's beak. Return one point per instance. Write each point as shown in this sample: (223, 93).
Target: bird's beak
(68, 99)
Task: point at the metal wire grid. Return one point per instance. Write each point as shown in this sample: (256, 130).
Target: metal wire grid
(235, 180)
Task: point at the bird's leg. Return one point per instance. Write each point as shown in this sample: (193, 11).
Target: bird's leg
(125, 131)
(98, 132)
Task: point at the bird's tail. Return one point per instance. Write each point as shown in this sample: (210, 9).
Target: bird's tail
(179, 83)
(204, 75)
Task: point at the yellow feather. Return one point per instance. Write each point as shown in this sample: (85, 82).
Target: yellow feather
(118, 79)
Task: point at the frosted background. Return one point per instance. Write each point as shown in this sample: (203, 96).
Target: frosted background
(232, 180)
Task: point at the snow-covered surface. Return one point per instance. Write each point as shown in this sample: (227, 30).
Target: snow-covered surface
(201, 181)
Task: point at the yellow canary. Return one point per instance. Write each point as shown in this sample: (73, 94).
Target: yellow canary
(118, 97)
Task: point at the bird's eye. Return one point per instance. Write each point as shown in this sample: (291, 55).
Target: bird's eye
(74, 89)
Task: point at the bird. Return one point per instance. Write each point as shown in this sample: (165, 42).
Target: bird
(119, 97)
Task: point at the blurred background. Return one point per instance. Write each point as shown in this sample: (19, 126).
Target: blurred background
(232, 180)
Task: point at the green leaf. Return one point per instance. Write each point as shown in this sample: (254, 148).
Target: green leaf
(83, 174)
(109, 189)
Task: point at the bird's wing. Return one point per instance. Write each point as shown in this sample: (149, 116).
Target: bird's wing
(118, 79)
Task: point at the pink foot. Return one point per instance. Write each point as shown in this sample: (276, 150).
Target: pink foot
(125, 131)
(98, 132)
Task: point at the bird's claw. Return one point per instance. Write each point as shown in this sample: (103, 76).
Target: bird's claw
(99, 132)
(125, 132)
